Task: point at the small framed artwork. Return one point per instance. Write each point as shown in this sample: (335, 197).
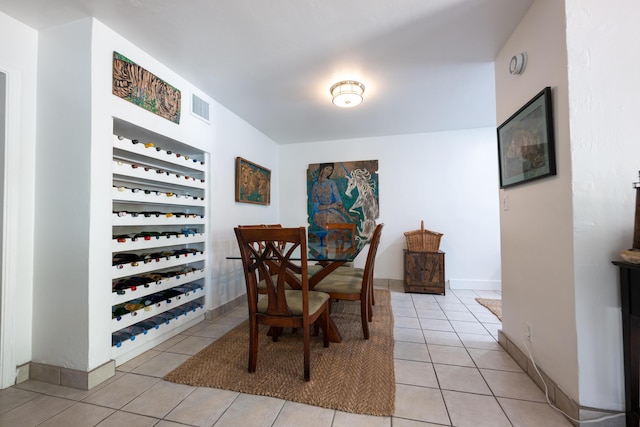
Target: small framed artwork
(253, 183)
(526, 142)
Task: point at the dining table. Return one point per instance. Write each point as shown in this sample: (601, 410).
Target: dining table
(328, 261)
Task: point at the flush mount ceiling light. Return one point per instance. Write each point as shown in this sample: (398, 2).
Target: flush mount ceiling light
(347, 93)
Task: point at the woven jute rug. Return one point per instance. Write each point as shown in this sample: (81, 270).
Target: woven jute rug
(354, 376)
(494, 306)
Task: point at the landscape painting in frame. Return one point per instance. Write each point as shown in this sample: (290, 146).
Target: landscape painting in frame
(340, 194)
(526, 142)
(142, 88)
(253, 183)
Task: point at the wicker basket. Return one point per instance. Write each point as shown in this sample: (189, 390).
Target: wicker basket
(423, 240)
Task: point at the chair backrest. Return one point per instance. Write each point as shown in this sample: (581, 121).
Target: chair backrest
(267, 257)
(340, 232)
(371, 258)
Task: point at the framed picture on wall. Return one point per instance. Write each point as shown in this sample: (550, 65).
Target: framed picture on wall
(253, 183)
(526, 144)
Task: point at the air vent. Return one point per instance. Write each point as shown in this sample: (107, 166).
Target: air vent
(199, 108)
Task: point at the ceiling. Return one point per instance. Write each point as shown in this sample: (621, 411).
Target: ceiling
(427, 65)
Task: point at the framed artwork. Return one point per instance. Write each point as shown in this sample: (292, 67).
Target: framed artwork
(142, 88)
(253, 183)
(526, 142)
(342, 203)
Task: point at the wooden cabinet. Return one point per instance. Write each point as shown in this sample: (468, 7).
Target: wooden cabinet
(630, 304)
(424, 272)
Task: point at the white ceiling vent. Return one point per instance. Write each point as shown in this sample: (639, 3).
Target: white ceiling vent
(199, 108)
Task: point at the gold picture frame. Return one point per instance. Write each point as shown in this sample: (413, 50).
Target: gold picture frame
(253, 183)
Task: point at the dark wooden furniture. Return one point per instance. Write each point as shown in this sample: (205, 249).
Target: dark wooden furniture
(266, 253)
(353, 287)
(424, 272)
(630, 301)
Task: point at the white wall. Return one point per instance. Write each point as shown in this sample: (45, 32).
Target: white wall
(605, 151)
(561, 234)
(447, 179)
(72, 323)
(537, 230)
(18, 58)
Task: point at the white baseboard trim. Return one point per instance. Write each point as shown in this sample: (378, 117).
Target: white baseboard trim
(475, 285)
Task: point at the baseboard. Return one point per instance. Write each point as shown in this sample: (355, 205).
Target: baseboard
(226, 307)
(556, 396)
(475, 285)
(71, 377)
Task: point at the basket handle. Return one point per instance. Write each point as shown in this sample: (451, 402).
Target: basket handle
(422, 225)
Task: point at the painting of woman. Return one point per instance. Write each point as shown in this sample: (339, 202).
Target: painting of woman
(327, 204)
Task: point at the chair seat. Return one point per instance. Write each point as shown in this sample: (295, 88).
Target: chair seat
(340, 284)
(349, 271)
(294, 301)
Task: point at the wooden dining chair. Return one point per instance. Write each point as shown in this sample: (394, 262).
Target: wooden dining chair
(354, 288)
(343, 236)
(267, 259)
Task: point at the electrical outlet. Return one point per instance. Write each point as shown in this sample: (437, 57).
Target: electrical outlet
(529, 331)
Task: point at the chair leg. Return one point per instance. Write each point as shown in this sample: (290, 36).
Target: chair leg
(364, 315)
(307, 351)
(373, 300)
(325, 327)
(253, 346)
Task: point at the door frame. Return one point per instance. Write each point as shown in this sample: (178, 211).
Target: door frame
(9, 205)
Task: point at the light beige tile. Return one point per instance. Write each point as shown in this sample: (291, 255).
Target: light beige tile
(408, 334)
(298, 414)
(215, 330)
(404, 312)
(462, 316)
(138, 360)
(401, 422)
(415, 373)
(159, 400)
(473, 410)
(411, 351)
(432, 314)
(119, 419)
(487, 318)
(417, 298)
(406, 322)
(449, 355)
(162, 364)
(251, 411)
(461, 378)
(79, 415)
(523, 413)
(191, 345)
(513, 385)
(195, 328)
(13, 397)
(165, 423)
(344, 419)
(442, 338)
(493, 359)
(420, 404)
(469, 327)
(453, 306)
(426, 305)
(121, 391)
(436, 325)
(170, 342)
(37, 386)
(35, 411)
(202, 407)
(485, 342)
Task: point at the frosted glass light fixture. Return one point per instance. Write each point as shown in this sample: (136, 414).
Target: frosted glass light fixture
(347, 93)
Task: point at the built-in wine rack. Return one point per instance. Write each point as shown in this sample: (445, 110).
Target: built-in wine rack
(159, 235)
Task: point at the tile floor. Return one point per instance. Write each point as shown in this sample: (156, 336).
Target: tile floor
(450, 371)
